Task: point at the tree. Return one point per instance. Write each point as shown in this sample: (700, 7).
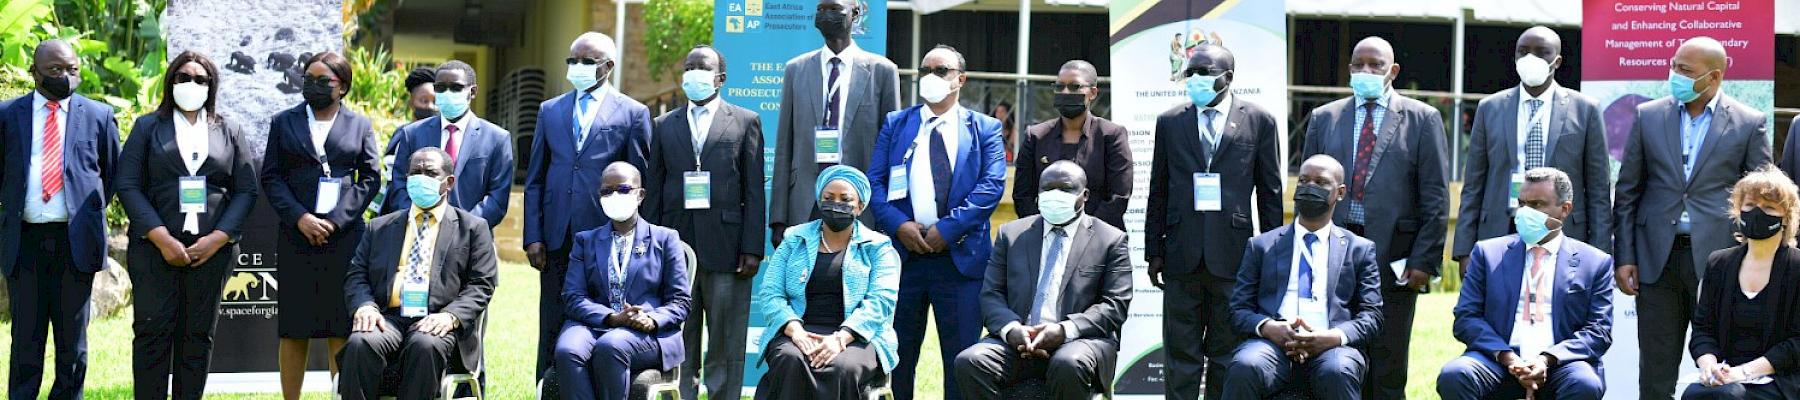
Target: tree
(672, 27)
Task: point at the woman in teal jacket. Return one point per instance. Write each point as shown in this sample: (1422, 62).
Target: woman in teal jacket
(830, 287)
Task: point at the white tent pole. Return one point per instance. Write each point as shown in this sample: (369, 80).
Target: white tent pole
(619, 37)
(1456, 89)
(1019, 106)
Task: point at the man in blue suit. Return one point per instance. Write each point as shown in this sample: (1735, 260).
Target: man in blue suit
(937, 173)
(481, 151)
(1535, 308)
(1307, 295)
(60, 152)
(627, 296)
(578, 134)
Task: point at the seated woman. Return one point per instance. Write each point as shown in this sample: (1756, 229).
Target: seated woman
(1746, 336)
(831, 286)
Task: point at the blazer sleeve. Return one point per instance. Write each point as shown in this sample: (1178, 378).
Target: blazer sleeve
(368, 179)
(400, 146)
(1757, 152)
(109, 155)
(579, 306)
(131, 180)
(274, 175)
(995, 314)
(674, 291)
(1433, 194)
(1244, 313)
(1156, 211)
(887, 218)
(1025, 176)
(1594, 335)
(1627, 192)
(244, 188)
(638, 135)
(1475, 177)
(1106, 317)
(1365, 322)
(1269, 180)
(656, 175)
(1120, 172)
(750, 167)
(1784, 356)
(1704, 338)
(1471, 326)
(781, 180)
(1596, 165)
(535, 171)
(498, 179)
(874, 313)
(975, 209)
(356, 276)
(771, 295)
(481, 278)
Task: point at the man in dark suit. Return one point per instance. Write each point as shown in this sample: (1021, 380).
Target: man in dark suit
(1790, 150)
(937, 174)
(1398, 196)
(1535, 308)
(1101, 147)
(1308, 296)
(578, 134)
(1055, 296)
(1212, 155)
(420, 285)
(481, 151)
(61, 150)
(706, 176)
(832, 104)
(1683, 156)
(1537, 124)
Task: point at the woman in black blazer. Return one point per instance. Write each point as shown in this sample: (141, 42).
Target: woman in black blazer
(319, 175)
(1746, 336)
(187, 181)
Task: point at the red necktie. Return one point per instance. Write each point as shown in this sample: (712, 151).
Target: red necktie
(1365, 150)
(52, 178)
(450, 144)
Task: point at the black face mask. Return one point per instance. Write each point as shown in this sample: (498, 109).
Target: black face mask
(832, 25)
(317, 95)
(420, 113)
(1071, 105)
(1758, 225)
(1312, 201)
(59, 87)
(838, 215)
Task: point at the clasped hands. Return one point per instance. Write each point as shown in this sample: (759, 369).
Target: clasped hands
(1299, 339)
(1716, 373)
(820, 350)
(920, 239)
(634, 317)
(1532, 372)
(175, 254)
(1036, 341)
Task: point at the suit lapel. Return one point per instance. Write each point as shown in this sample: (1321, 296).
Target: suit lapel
(1564, 273)
(810, 95)
(684, 119)
(857, 89)
(163, 134)
(393, 233)
(1343, 276)
(1510, 274)
(1276, 276)
(601, 105)
(1721, 117)
(1231, 133)
(469, 135)
(1509, 125)
(1388, 131)
(1035, 256)
(440, 250)
(1082, 239)
(1341, 146)
(1554, 128)
(340, 129)
(219, 154)
(717, 129)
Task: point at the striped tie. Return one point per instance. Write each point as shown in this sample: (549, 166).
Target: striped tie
(52, 177)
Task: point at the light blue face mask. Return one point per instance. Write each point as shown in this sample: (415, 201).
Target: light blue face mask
(1532, 224)
(423, 190)
(1682, 87)
(1057, 206)
(1368, 86)
(1200, 89)
(452, 104)
(698, 84)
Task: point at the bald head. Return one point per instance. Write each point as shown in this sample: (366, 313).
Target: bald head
(1374, 46)
(1703, 52)
(54, 59)
(594, 45)
(1323, 166)
(1063, 175)
(1374, 55)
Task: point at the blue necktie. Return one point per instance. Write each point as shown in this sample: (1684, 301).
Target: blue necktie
(1043, 283)
(1306, 271)
(940, 167)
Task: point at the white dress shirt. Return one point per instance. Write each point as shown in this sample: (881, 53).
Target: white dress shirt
(1529, 337)
(1053, 291)
(192, 139)
(918, 174)
(320, 131)
(843, 82)
(1316, 312)
(38, 210)
(700, 119)
(1525, 118)
(1218, 121)
(585, 120)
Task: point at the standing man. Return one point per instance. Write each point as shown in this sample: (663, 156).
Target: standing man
(937, 173)
(1398, 196)
(60, 150)
(1212, 155)
(480, 152)
(578, 134)
(1102, 148)
(1790, 154)
(1536, 124)
(706, 178)
(1684, 154)
(832, 104)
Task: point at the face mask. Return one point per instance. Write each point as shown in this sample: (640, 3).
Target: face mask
(1312, 201)
(832, 25)
(189, 96)
(934, 89)
(420, 113)
(1071, 105)
(317, 95)
(1368, 86)
(423, 190)
(1532, 224)
(698, 84)
(1758, 225)
(1200, 89)
(619, 206)
(59, 87)
(838, 215)
(1682, 87)
(584, 77)
(1533, 71)
(452, 104)
(1057, 206)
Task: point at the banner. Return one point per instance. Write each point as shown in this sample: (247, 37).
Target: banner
(1626, 46)
(759, 37)
(1151, 41)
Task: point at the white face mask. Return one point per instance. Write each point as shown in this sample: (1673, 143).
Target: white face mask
(1533, 71)
(189, 96)
(619, 206)
(933, 88)
(583, 77)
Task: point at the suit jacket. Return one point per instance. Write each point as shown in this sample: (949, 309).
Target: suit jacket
(484, 167)
(291, 169)
(562, 184)
(1096, 279)
(1104, 152)
(1575, 142)
(1652, 192)
(1715, 314)
(733, 157)
(1248, 161)
(975, 185)
(149, 183)
(1581, 309)
(874, 91)
(1406, 199)
(657, 278)
(871, 285)
(1354, 304)
(464, 272)
(90, 159)
(1790, 150)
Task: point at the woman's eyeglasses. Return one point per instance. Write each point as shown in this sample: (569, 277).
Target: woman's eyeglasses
(200, 79)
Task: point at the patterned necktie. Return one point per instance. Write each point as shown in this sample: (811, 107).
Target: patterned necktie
(832, 96)
(1306, 269)
(450, 144)
(414, 270)
(1534, 141)
(52, 176)
(581, 108)
(1209, 139)
(1043, 282)
(620, 256)
(940, 166)
(1365, 151)
(1536, 300)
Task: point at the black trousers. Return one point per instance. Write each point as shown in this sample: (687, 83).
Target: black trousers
(1197, 334)
(48, 296)
(174, 313)
(423, 360)
(550, 306)
(1664, 309)
(1387, 369)
(1077, 370)
(851, 375)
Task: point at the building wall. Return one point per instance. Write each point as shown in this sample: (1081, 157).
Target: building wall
(636, 81)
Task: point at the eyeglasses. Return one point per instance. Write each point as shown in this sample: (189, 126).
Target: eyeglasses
(940, 71)
(621, 189)
(1203, 71)
(442, 87)
(203, 80)
(322, 80)
(1069, 87)
(62, 71)
(583, 61)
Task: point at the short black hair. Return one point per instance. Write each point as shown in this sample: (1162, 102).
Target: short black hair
(420, 76)
(455, 65)
(1085, 69)
(716, 53)
(961, 64)
(338, 65)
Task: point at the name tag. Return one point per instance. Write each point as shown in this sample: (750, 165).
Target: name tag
(1512, 198)
(329, 190)
(413, 297)
(827, 146)
(193, 194)
(1208, 195)
(696, 189)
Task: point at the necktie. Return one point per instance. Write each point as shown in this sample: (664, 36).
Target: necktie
(1365, 150)
(1534, 288)
(581, 108)
(940, 166)
(701, 127)
(450, 143)
(1534, 141)
(1306, 269)
(620, 254)
(1043, 282)
(52, 177)
(1209, 138)
(832, 96)
(414, 270)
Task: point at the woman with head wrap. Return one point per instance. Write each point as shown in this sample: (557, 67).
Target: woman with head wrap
(830, 291)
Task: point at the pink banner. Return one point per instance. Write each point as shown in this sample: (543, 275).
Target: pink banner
(1634, 39)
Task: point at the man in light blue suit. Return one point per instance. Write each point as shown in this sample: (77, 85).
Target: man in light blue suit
(481, 151)
(938, 171)
(1535, 308)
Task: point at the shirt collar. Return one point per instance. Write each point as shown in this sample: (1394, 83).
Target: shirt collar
(1554, 246)
(1386, 95)
(1710, 104)
(314, 119)
(436, 212)
(1068, 230)
(1300, 231)
(462, 125)
(1548, 96)
(925, 113)
(712, 107)
(1223, 107)
(826, 54)
(181, 121)
(38, 102)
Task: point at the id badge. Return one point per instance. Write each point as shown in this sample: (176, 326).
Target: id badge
(899, 184)
(413, 296)
(193, 194)
(696, 189)
(1512, 197)
(827, 146)
(1207, 192)
(329, 190)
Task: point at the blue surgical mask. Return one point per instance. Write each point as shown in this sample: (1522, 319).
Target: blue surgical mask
(1200, 89)
(584, 77)
(1368, 86)
(1057, 206)
(698, 84)
(1682, 87)
(452, 104)
(1532, 224)
(423, 190)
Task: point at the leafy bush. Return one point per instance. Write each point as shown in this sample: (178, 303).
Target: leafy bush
(672, 27)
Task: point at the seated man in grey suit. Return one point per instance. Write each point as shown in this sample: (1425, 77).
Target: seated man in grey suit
(1053, 307)
(1307, 294)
